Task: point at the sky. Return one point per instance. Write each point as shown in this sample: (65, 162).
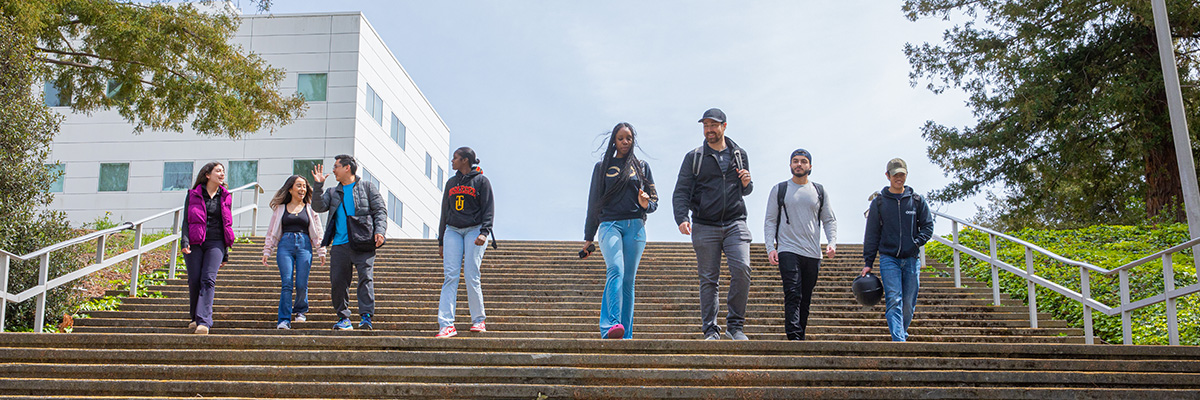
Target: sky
(535, 86)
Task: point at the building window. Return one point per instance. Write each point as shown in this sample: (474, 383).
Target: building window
(398, 131)
(396, 210)
(428, 166)
(313, 86)
(374, 105)
(113, 89)
(366, 176)
(242, 173)
(114, 177)
(304, 168)
(441, 179)
(58, 172)
(53, 97)
(426, 231)
(177, 175)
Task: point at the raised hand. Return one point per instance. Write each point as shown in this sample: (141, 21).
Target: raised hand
(318, 173)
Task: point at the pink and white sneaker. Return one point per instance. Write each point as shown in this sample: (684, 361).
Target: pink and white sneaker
(479, 327)
(615, 332)
(446, 332)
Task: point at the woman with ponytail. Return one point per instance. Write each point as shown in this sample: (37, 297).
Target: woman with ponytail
(622, 193)
(467, 210)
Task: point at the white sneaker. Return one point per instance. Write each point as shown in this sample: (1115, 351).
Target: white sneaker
(301, 318)
(283, 325)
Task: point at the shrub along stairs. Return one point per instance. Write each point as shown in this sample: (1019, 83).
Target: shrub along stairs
(543, 340)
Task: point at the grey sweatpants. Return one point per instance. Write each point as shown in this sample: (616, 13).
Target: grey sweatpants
(342, 263)
(709, 242)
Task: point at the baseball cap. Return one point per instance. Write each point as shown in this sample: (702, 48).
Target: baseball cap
(714, 114)
(801, 152)
(896, 165)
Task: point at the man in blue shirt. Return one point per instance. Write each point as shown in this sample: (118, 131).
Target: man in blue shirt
(358, 198)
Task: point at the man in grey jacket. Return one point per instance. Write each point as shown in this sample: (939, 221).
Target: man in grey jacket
(796, 210)
(350, 197)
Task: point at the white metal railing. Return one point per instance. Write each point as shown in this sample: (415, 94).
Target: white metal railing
(1086, 270)
(44, 284)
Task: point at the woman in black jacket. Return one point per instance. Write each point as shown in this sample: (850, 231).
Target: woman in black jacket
(467, 209)
(622, 193)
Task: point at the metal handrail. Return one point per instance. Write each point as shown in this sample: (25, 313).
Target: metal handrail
(1032, 280)
(45, 285)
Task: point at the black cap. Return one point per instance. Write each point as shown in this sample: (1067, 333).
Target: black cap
(801, 152)
(714, 114)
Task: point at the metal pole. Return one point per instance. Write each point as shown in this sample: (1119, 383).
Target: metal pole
(1179, 128)
(3, 289)
(100, 248)
(995, 271)
(137, 261)
(1085, 284)
(254, 214)
(1168, 287)
(1126, 315)
(175, 245)
(1033, 319)
(39, 316)
(957, 268)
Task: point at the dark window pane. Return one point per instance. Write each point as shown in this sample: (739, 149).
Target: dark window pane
(57, 172)
(114, 177)
(313, 86)
(304, 168)
(241, 173)
(177, 175)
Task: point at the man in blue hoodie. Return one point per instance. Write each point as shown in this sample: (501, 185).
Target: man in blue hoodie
(898, 224)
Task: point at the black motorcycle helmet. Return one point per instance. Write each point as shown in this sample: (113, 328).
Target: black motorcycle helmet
(868, 289)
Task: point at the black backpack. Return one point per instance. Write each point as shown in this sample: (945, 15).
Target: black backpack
(781, 192)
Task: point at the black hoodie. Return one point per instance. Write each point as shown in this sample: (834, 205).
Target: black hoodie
(713, 196)
(624, 204)
(466, 202)
(897, 225)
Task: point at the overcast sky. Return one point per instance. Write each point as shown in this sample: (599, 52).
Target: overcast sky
(530, 85)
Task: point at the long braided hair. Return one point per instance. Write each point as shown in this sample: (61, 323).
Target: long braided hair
(632, 166)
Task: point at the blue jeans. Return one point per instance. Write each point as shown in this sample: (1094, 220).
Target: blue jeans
(294, 256)
(621, 243)
(901, 280)
(460, 253)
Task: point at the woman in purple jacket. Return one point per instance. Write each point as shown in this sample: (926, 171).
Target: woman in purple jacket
(207, 235)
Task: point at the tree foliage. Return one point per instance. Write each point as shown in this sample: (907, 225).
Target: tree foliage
(158, 65)
(1070, 102)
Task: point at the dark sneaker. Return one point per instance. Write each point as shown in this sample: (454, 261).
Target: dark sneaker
(714, 335)
(343, 325)
(365, 322)
(736, 335)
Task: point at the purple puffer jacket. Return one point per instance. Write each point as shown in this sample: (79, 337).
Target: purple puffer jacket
(197, 215)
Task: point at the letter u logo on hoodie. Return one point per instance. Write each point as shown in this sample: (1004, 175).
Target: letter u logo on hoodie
(458, 203)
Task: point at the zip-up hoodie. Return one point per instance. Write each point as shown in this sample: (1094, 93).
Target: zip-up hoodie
(367, 201)
(466, 202)
(713, 196)
(897, 225)
(624, 203)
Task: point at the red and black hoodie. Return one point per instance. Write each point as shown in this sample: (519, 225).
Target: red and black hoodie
(467, 202)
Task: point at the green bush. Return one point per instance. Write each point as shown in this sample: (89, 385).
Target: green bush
(1105, 246)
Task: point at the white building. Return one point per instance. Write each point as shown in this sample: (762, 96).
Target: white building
(360, 102)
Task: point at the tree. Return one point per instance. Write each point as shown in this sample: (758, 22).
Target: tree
(1070, 102)
(159, 66)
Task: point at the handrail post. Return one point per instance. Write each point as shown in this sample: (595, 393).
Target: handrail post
(39, 316)
(100, 248)
(137, 261)
(1168, 287)
(995, 271)
(1032, 287)
(254, 213)
(1126, 315)
(957, 268)
(178, 241)
(3, 288)
(1085, 284)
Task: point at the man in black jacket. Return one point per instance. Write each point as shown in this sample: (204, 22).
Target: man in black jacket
(898, 224)
(712, 181)
(351, 196)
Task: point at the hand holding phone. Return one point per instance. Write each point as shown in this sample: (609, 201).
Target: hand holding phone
(587, 251)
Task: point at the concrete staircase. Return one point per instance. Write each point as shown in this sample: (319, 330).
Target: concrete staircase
(542, 340)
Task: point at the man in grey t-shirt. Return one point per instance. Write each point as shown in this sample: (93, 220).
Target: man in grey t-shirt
(793, 239)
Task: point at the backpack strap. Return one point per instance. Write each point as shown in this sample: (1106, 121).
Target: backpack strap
(820, 200)
(780, 193)
(697, 155)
